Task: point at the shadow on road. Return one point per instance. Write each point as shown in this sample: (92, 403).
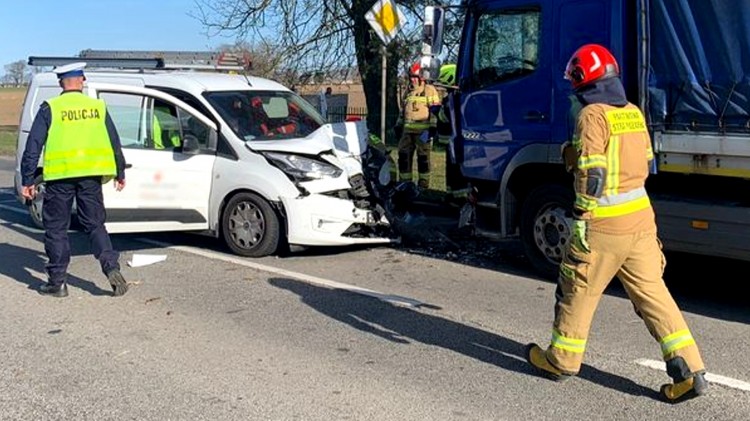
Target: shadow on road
(402, 325)
(20, 263)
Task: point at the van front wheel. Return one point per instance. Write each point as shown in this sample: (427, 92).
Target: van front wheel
(250, 227)
(545, 227)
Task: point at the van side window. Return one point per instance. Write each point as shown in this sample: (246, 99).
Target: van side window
(506, 45)
(126, 111)
(165, 127)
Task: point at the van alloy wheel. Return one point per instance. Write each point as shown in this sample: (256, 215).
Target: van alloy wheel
(35, 207)
(250, 226)
(246, 225)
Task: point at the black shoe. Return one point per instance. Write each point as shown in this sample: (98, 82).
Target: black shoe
(119, 286)
(52, 290)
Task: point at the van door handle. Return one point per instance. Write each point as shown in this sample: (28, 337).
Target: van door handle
(534, 115)
(128, 165)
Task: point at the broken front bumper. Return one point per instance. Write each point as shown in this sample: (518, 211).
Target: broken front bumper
(318, 220)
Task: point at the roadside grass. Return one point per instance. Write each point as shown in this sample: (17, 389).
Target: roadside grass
(437, 189)
(8, 142)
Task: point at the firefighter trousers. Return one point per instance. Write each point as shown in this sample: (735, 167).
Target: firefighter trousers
(409, 143)
(637, 260)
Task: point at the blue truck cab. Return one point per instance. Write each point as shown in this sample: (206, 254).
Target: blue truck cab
(685, 64)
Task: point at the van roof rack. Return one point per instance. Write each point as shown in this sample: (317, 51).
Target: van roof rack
(156, 60)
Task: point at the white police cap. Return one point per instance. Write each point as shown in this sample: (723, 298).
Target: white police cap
(70, 70)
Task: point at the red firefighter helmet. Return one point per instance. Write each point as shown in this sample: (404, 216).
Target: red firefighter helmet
(590, 63)
(415, 70)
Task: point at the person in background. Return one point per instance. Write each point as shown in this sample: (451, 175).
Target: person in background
(614, 232)
(419, 122)
(323, 102)
(81, 151)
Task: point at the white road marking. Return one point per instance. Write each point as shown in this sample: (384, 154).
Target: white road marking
(390, 298)
(712, 378)
(14, 209)
(8, 201)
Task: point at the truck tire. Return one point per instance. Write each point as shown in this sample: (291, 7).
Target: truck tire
(249, 226)
(35, 206)
(545, 227)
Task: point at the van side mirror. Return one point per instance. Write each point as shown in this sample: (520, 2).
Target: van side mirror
(190, 145)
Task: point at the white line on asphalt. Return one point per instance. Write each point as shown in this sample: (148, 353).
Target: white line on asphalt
(712, 378)
(13, 209)
(8, 201)
(393, 299)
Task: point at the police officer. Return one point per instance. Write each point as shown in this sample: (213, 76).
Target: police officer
(614, 232)
(81, 150)
(419, 121)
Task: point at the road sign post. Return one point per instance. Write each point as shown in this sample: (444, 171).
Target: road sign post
(386, 20)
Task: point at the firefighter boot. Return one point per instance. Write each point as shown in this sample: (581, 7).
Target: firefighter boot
(686, 385)
(535, 356)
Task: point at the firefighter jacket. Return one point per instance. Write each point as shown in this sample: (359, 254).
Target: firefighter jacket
(614, 149)
(417, 113)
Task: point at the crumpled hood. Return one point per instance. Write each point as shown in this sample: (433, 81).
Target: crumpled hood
(345, 139)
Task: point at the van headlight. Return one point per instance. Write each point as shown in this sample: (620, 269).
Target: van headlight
(302, 168)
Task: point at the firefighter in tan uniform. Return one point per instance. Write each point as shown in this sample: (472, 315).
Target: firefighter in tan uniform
(614, 232)
(419, 120)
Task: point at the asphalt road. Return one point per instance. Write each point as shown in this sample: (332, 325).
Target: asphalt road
(409, 333)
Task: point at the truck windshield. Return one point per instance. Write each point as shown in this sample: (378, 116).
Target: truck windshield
(266, 115)
(506, 46)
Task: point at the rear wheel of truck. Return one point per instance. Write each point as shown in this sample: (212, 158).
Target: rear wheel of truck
(545, 227)
(250, 227)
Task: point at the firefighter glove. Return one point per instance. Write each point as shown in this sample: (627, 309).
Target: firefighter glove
(579, 236)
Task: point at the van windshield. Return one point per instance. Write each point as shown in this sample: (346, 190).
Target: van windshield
(265, 115)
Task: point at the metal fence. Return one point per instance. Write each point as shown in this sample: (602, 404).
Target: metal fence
(340, 114)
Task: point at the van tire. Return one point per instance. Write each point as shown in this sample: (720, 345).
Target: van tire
(249, 226)
(545, 227)
(35, 205)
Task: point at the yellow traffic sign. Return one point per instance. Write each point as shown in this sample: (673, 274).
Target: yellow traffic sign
(386, 19)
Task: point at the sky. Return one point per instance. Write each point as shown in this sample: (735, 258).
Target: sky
(64, 28)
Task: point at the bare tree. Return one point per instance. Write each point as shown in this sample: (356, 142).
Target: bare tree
(267, 60)
(323, 36)
(16, 73)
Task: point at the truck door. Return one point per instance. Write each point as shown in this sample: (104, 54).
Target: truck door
(170, 149)
(577, 23)
(506, 89)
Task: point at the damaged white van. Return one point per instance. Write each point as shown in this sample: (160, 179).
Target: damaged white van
(236, 157)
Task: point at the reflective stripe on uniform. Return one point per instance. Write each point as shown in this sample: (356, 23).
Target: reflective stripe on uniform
(592, 161)
(675, 341)
(585, 203)
(613, 166)
(577, 346)
(622, 208)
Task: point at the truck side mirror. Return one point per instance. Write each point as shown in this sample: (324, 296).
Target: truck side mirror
(432, 31)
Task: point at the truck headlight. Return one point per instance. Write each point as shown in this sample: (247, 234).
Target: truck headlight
(302, 168)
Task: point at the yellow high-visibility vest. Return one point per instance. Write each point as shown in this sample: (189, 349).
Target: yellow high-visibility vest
(78, 144)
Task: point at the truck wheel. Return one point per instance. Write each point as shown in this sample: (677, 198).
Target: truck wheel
(545, 227)
(250, 227)
(35, 206)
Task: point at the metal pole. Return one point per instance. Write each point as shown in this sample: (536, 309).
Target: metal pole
(383, 95)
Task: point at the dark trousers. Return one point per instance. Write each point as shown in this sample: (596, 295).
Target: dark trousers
(56, 210)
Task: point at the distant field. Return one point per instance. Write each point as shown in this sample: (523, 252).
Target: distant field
(8, 142)
(11, 100)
